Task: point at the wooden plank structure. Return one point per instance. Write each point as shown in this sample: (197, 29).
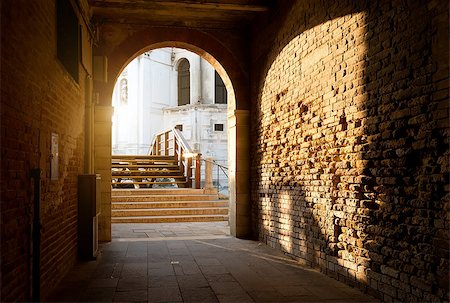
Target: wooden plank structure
(224, 14)
(169, 163)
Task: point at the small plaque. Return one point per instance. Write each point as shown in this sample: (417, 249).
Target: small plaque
(54, 157)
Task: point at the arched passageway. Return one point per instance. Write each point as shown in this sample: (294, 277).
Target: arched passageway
(236, 83)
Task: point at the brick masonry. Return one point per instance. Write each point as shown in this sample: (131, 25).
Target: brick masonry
(349, 137)
(38, 98)
(350, 142)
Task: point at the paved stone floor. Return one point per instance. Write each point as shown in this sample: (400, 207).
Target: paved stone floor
(195, 262)
(165, 231)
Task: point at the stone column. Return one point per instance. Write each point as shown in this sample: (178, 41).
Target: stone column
(239, 173)
(102, 166)
(208, 173)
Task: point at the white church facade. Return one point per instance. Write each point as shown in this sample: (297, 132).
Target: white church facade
(166, 88)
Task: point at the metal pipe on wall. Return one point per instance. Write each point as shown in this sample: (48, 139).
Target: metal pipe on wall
(36, 237)
(89, 126)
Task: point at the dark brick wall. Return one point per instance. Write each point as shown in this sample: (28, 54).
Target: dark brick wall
(350, 139)
(350, 142)
(38, 98)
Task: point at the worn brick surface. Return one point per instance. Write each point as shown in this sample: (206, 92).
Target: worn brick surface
(38, 97)
(350, 142)
(349, 137)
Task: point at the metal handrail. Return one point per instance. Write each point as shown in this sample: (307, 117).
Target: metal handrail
(222, 167)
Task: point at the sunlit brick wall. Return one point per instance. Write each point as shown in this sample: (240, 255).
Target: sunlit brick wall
(38, 98)
(350, 142)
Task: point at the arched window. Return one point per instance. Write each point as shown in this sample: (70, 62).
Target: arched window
(184, 83)
(124, 91)
(220, 90)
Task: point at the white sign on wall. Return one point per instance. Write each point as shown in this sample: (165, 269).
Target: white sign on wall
(54, 157)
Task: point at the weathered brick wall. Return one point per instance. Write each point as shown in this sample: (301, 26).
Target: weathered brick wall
(350, 142)
(38, 97)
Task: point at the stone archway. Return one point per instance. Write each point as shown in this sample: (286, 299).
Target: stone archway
(229, 67)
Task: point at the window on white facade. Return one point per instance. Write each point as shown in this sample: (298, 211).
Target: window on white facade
(179, 127)
(220, 90)
(184, 82)
(218, 127)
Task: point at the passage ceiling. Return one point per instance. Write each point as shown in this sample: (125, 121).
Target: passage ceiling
(225, 14)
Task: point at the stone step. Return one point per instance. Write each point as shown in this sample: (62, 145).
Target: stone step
(162, 191)
(159, 162)
(147, 182)
(161, 198)
(169, 212)
(148, 176)
(169, 204)
(169, 219)
(146, 171)
(131, 157)
(147, 166)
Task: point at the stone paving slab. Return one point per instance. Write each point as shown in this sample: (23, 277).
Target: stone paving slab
(184, 266)
(160, 231)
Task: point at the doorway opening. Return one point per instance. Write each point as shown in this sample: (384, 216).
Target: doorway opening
(169, 147)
